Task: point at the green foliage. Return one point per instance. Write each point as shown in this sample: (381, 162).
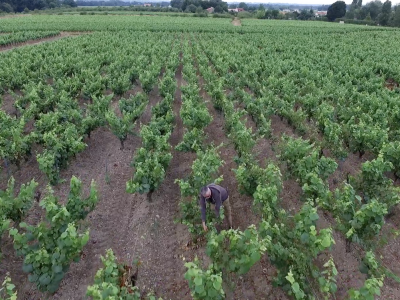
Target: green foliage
(266, 196)
(190, 215)
(368, 291)
(59, 149)
(391, 153)
(365, 137)
(303, 158)
(95, 113)
(150, 169)
(327, 280)
(148, 78)
(15, 207)
(78, 208)
(264, 185)
(14, 144)
(295, 243)
(374, 184)
(50, 247)
(120, 84)
(204, 285)
(295, 286)
(242, 136)
(367, 221)
(374, 281)
(7, 290)
(192, 140)
(305, 162)
(259, 112)
(134, 105)
(236, 251)
(194, 113)
(204, 170)
(167, 85)
(153, 158)
(360, 221)
(248, 175)
(336, 10)
(109, 281)
(121, 127)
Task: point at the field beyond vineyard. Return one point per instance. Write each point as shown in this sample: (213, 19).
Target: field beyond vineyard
(110, 125)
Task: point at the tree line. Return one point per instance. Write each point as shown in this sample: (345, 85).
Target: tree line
(197, 5)
(374, 12)
(21, 5)
(114, 3)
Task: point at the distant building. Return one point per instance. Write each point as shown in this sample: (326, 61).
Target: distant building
(235, 9)
(321, 13)
(147, 4)
(210, 10)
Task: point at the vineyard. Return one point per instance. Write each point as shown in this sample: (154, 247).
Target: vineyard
(108, 133)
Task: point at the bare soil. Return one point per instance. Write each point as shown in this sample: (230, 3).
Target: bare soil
(236, 22)
(391, 84)
(15, 16)
(62, 34)
(136, 228)
(129, 224)
(257, 283)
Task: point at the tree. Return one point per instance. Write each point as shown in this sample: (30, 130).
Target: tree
(375, 8)
(362, 13)
(260, 14)
(218, 9)
(191, 8)
(233, 6)
(243, 5)
(70, 3)
(359, 3)
(305, 15)
(6, 7)
(396, 17)
(387, 7)
(275, 13)
(350, 14)
(177, 3)
(384, 16)
(336, 10)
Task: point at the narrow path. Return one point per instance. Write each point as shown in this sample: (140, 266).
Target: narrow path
(62, 34)
(236, 22)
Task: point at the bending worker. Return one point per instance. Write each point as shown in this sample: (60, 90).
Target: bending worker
(216, 196)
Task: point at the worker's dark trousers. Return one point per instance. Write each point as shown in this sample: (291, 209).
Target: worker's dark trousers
(227, 209)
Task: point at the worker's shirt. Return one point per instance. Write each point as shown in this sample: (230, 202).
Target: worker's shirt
(218, 196)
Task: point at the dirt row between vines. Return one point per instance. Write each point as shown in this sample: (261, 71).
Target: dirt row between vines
(236, 22)
(136, 228)
(347, 263)
(62, 35)
(129, 224)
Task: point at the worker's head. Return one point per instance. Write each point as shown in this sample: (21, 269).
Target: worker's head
(205, 192)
